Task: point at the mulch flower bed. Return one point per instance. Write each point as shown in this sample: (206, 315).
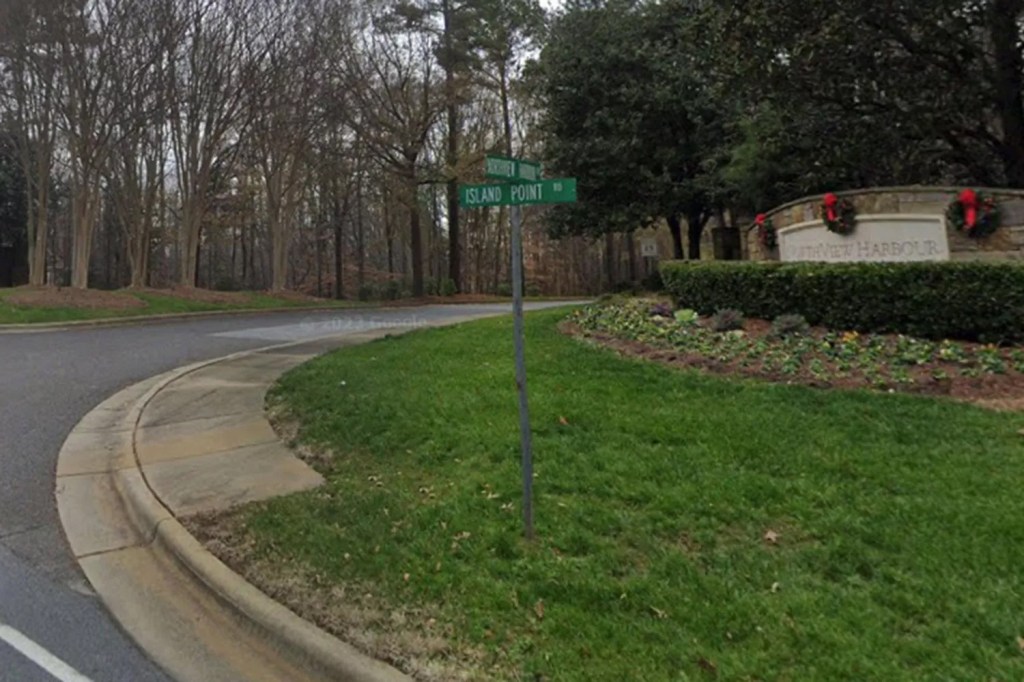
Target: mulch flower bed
(66, 297)
(989, 375)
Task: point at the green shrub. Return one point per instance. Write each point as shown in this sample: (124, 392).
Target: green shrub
(789, 325)
(653, 282)
(726, 320)
(504, 289)
(393, 290)
(687, 316)
(447, 287)
(972, 301)
(367, 292)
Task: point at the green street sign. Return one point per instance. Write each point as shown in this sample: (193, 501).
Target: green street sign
(504, 168)
(556, 191)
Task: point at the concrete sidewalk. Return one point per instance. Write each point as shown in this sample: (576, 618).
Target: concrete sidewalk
(195, 440)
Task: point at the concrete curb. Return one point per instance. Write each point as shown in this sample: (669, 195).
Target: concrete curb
(304, 646)
(139, 320)
(298, 638)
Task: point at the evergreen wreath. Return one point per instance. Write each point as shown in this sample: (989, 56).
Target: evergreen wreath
(839, 215)
(766, 233)
(974, 213)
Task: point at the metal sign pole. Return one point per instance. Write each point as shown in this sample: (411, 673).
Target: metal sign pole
(521, 185)
(524, 408)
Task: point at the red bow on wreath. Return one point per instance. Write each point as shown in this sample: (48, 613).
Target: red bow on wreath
(760, 219)
(831, 201)
(969, 200)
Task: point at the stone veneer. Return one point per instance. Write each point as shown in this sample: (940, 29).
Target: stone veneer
(1006, 243)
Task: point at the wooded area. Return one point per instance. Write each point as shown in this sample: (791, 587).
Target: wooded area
(256, 144)
(319, 144)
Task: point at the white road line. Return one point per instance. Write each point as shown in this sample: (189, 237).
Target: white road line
(40, 656)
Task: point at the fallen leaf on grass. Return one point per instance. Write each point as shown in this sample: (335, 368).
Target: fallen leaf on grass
(563, 421)
(658, 613)
(1020, 644)
(775, 587)
(771, 537)
(538, 609)
(707, 666)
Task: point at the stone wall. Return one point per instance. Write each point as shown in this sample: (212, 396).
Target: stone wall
(1007, 243)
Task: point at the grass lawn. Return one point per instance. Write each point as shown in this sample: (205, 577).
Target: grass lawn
(155, 304)
(690, 527)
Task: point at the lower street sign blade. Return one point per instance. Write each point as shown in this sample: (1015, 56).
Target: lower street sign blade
(553, 191)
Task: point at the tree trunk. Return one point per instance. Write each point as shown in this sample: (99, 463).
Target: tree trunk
(84, 212)
(39, 232)
(1009, 85)
(245, 255)
(415, 238)
(694, 229)
(499, 247)
(198, 253)
(234, 254)
(389, 230)
(452, 155)
(360, 234)
(609, 260)
(676, 228)
(339, 286)
(138, 254)
(191, 217)
(279, 238)
(631, 253)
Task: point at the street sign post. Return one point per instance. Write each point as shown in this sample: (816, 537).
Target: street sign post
(557, 191)
(523, 186)
(649, 252)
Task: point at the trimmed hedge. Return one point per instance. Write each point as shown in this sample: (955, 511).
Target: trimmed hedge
(970, 301)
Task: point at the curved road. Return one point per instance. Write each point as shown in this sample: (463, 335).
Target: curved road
(52, 627)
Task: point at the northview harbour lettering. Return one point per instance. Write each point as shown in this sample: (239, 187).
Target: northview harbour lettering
(878, 238)
(864, 251)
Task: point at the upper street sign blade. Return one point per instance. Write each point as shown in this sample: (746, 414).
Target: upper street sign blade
(504, 168)
(556, 191)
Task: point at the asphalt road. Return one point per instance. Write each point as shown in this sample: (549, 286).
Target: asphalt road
(51, 624)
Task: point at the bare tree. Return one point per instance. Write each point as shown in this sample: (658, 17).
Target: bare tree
(30, 63)
(211, 71)
(283, 124)
(135, 170)
(397, 102)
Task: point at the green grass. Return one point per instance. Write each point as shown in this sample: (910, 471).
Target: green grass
(156, 304)
(900, 520)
